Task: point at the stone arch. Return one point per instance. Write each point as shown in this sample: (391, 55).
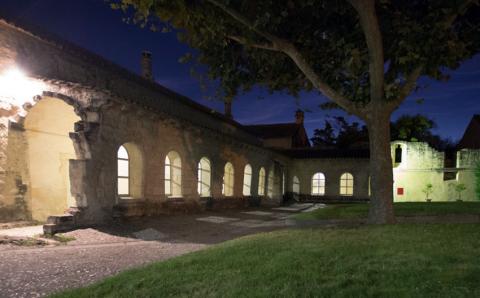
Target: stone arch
(49, 152)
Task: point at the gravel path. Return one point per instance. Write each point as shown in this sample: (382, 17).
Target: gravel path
(37, 272)
(104, 251)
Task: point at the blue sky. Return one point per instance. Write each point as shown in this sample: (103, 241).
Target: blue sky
(93, 25)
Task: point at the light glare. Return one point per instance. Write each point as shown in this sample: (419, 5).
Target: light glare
(17, 89)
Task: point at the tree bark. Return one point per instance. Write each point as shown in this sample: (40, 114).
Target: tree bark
(381, 173)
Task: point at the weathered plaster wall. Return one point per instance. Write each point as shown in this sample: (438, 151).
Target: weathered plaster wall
(422, 165)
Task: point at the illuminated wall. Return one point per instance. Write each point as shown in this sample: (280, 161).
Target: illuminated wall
(47, 128)
(421, 165)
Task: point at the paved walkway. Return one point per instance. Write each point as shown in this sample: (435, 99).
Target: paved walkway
(104, 251)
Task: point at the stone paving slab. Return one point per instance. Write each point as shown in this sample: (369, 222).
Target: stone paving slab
(259, 213)
(149, 235)
(217, 219)
(23, 231)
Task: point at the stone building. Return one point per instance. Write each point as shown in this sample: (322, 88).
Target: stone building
(84, 140)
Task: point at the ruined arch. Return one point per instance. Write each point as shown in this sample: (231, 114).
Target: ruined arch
(47, 127)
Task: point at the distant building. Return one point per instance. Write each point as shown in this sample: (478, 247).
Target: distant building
(471, 137)
(283, 135)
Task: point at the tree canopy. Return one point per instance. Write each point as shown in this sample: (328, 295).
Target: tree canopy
(242, 42)
(339, 133)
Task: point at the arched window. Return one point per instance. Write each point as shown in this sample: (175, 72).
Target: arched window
(346, 184)
(129, 171)
(228, 180)
(296, 185)
(369, 186)
(204, 177)
(123, 172)
(173, 175)
(247, 180)
(398, 154)
(270, 183)
(261, 182)
(318, 184)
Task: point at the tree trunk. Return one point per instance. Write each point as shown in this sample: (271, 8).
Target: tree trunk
(381, 173)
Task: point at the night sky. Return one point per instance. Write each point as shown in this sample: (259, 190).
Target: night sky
(93, 25)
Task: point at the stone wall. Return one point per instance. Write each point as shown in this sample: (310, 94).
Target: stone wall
(332, 168)
(118, 107)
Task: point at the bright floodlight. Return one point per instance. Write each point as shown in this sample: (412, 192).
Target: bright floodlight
(16, 88)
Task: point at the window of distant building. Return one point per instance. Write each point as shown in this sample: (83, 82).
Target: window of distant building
(247, 180)
(173, 175)
(261, 181)
(318, 184)
(228, 180)
(296, 185)
(204, 174)
(346, 184)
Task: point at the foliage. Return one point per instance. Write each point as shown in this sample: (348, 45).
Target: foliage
(327, 34)
(418, 128)
(477, 184)
(360, 210)
(428, 190)
(369, 261)
(347, 135)
(414, 128)
(459, 188)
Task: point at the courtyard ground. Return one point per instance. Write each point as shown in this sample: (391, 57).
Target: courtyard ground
(35, 271)
(90, 255)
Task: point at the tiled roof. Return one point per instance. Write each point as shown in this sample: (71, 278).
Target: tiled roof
(327, 153)
(279, 130)
(471, 137)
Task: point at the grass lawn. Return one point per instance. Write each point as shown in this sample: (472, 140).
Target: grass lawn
(360, 210)
(369, 261)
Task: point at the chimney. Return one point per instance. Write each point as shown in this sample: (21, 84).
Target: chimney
(228, 109)
(146, 64)
(299, 117)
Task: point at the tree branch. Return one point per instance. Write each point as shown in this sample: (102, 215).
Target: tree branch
(243, 20)
(244, 41)
(407, 88)
(462, 9)
(373, 37)
(279, 44)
